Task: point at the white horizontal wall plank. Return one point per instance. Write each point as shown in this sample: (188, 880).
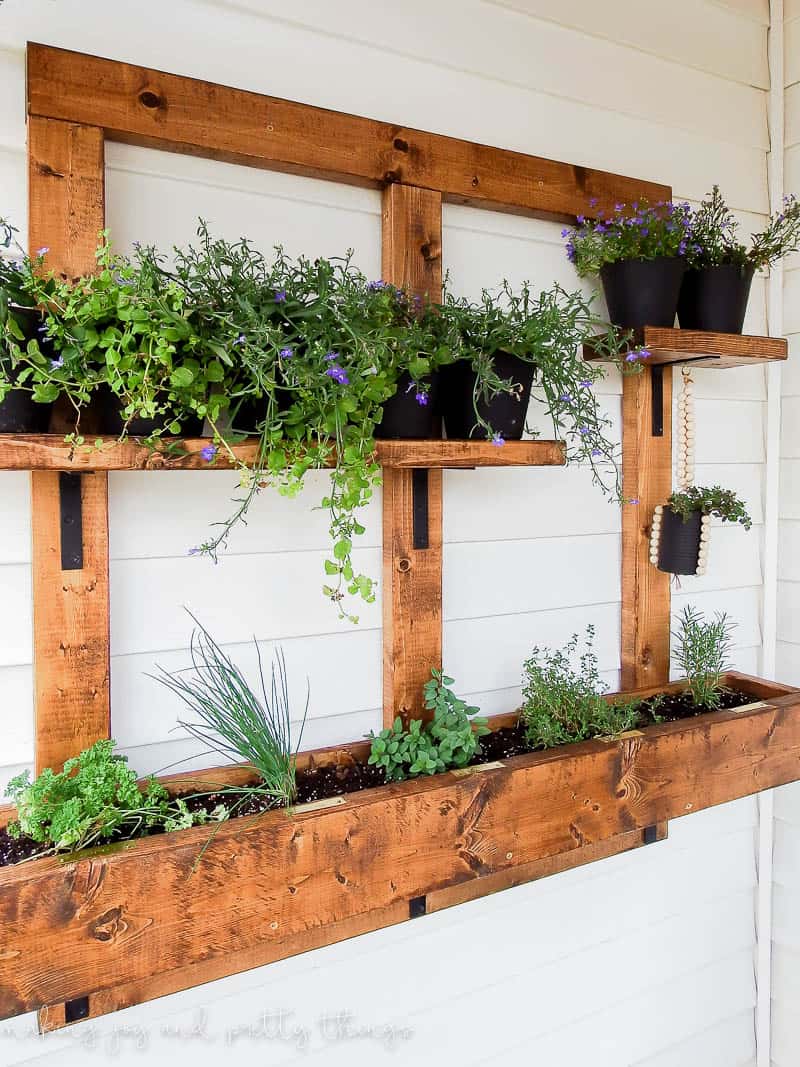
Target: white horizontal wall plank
(721, 42)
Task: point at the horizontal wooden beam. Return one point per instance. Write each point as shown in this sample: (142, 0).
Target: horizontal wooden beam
(702, 348)
(147, 107)
(49, 452)
(121, 914)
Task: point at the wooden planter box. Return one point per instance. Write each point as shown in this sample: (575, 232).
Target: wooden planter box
(86, 934)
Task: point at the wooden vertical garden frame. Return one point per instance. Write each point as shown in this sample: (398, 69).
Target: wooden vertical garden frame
(99, 931)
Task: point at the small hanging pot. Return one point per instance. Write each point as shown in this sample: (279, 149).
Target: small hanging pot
(505, 413)
(679, 546)
(643, 292)
(715, 298)
(404, 415)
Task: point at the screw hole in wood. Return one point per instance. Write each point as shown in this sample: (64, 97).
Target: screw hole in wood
(152, 101)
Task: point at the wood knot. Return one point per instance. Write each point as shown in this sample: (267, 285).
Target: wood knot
(475, 182)
(391, 177)
(400, 144)
(155, 461)
(151, 99)
(107, 926)
(429, 252)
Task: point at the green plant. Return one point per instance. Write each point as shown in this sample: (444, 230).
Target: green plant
(546, 329)
(723, 503)
(703, 651)
(235, 721)
(635, 231)
(449, 739)
(563, 702)
(95, 797)
(715, 241)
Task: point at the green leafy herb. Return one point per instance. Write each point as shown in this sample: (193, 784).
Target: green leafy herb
(710, 501)
(703, 650)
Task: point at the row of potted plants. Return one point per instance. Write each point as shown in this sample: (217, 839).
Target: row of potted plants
(97, 798)
(658, 260)
(309, 355)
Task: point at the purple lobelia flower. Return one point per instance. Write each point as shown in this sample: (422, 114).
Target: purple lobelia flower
(280, 296)
(498, 440)
(286, 353)
(338, 374)
(208, 452)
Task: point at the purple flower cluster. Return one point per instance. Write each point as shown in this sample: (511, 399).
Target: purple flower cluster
(498, 440)
(208, 453)
(286, 353)
(336, 372)
(637, 354)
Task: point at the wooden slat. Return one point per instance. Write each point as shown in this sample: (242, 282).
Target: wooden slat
(49, 452)
(70, 608)
(159, 985)
(647, 479)
(147, 107)
(412, 577)
(122, 914)
(704, 349)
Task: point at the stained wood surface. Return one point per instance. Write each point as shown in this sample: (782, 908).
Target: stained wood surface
(146, 107)
(646, 479)
(412, 577)
(160, 985)
(704, 349)
(120, 915)
(70, 608)
(49, 452)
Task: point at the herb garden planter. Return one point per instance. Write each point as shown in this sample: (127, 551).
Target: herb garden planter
(130, 921)
(405, 416)
(715, 298)
(643, 292)
(505, 413)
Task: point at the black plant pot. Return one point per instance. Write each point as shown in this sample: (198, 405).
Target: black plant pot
(505, 412)
(105, 414)
(643, 292)
(715, 298)
(679, 544)
(19, 413)
(404, 416)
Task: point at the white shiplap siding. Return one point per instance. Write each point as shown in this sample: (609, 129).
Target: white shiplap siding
(641, 960)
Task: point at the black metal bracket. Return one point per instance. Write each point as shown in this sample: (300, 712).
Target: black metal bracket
(75, 1010)
(650, 835)
(417, 906)
(419, 506)
(69, 489)
(657, 394)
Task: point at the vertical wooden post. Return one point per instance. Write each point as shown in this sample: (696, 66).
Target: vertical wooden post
(70, 607)
(412, 576)
(647, 478)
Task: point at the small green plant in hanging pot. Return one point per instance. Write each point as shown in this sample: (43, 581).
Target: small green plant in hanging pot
(639, 251)
(716, 287)
(681, 528)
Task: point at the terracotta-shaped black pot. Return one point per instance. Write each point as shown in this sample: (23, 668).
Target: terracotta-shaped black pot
(715, 298)
(505, 412)
(105, 414)
(679, 544)
(643, 292)
(404, 416)
(19, 413)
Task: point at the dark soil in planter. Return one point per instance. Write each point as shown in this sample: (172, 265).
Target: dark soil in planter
(333, 780)
(675, 706)
(643, 292)
(505, 412)
(403, 415)
(715, 298)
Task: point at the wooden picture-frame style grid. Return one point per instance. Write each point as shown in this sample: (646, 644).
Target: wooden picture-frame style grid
(78, 102)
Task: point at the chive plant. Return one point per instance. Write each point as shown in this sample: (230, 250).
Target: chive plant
(233, 720)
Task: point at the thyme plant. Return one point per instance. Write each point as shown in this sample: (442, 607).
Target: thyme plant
(715, 235)
(562, 699)
(703, 651)
(234, 720)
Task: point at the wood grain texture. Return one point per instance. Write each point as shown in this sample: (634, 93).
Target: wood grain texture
(412, 577)
(70, 625)
(647, 479)
(70, 608)
(146, 107)
(101, 1003)
(703, 349)
(49, 452)
(118, 916)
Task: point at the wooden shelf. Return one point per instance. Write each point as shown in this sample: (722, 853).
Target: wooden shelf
(49, 452)
(717, 350)
(126, 922)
